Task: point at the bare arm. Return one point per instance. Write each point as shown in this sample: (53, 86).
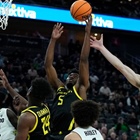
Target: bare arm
(12, 117)
(12, 92)
(83, 82)
(25, 124)
(49, 57)
(130, 75)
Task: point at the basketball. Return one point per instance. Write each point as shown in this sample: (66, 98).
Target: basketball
(80, 10)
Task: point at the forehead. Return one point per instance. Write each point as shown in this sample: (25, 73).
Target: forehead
(73, 74)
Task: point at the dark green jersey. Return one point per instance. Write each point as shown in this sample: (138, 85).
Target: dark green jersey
(42, 125)
(61, 118)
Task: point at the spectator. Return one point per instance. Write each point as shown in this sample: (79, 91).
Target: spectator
(105, 90)
(136, 136)
(112, 136)
(122, 126)
(32, 72)
(132, 119)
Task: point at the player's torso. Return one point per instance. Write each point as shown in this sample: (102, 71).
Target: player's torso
(42, 126)
(7, 131)
(60, 109)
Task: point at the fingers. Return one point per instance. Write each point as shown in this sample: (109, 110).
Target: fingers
(59, 26)
(3, 77)
(91, 42)
(92, 37)
(90, 17)
(16, 100)
(86, 21)
(2, 72)
(61, 29)
(101, 35)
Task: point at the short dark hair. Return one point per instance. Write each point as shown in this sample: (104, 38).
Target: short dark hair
(40, 88)
(74, 70)
(85, 112)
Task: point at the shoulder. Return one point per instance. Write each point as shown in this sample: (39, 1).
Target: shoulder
(72, 136)
(27, 118)
(10, 113)
(99, 135)
(9, 110)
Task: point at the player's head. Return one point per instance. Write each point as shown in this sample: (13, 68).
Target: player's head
(72, 78)
(40, 89)
(85, 112)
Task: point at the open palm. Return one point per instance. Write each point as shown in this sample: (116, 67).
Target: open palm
(57, 31)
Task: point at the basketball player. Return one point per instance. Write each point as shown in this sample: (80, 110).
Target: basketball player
(75, 87)
(8, 121)
(85, 113)
(34, 121)
(130, 75)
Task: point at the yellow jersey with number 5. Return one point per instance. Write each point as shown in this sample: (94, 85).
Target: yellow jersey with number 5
(42, 125)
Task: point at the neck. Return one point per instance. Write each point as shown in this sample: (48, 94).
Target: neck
(76, 125)
(34, 103)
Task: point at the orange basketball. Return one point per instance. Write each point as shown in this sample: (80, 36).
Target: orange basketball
(80, 10)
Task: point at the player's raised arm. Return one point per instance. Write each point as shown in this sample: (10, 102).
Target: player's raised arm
(49, 57)
(83, 83)
(130, 75)
(7, 86)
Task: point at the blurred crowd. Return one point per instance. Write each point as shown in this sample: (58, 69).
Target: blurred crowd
(119, 101)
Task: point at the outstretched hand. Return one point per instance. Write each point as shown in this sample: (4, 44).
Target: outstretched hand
(57, 31)
(97, 44)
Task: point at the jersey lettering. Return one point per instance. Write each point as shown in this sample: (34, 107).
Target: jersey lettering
(2, 120)
(93, 132)
(46, 124)
(62, 95)
(60, 99)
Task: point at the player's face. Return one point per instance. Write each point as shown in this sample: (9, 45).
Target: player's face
(72, 79)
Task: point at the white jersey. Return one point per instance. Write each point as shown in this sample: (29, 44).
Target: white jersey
(7, 130)
(89, 133)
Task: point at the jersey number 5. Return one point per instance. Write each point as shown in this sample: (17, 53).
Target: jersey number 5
(46, 124)
(60, 99)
